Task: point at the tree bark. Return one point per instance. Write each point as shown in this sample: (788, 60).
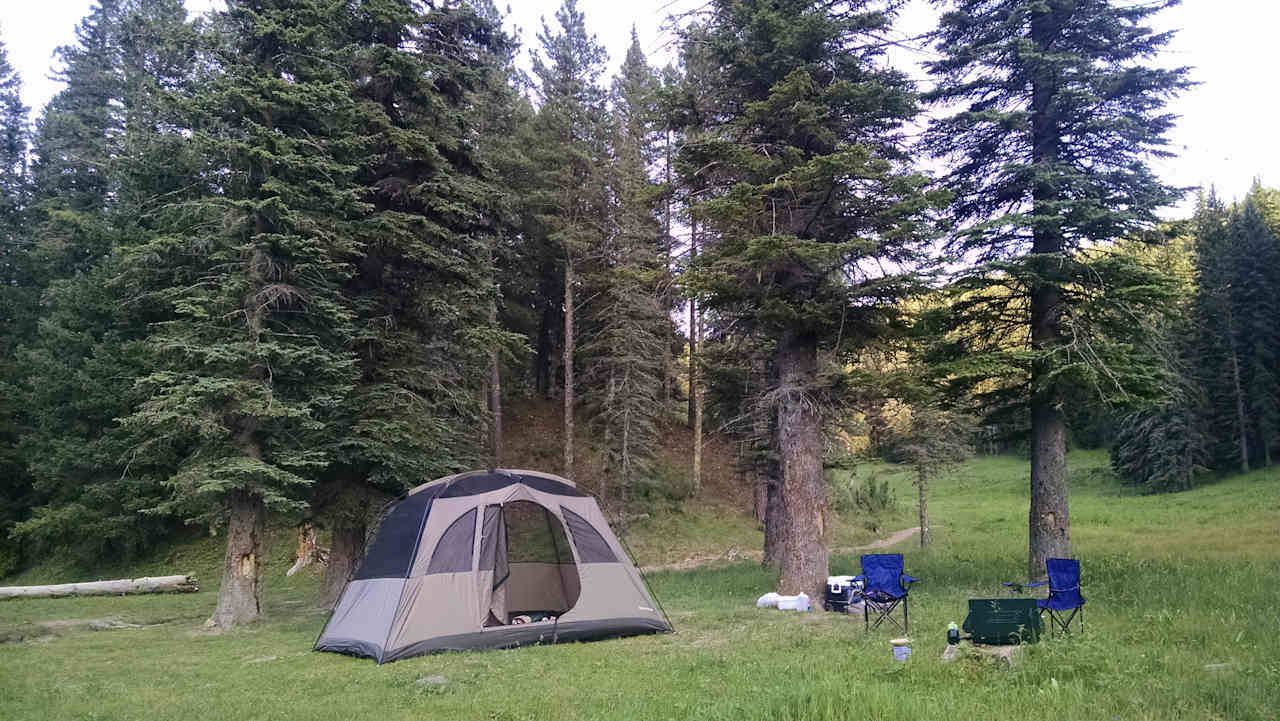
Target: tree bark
(543, 352)
(240, 597)
(666, 345)
(308, 549)
(120, 587)
(803, 553)
(346, 547)
(495, 401)
(773, 512)
(922, 480)
(695, 389)
(568, 367)
(1049, 524)
(1242, 423)
(693, 333)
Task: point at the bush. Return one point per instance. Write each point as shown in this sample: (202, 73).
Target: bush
(869, 500)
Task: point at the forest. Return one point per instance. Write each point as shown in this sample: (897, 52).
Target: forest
(280, 263)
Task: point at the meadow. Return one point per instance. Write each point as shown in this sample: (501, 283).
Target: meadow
(1182, 622)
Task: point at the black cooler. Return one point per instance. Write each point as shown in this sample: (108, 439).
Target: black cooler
(841, 593)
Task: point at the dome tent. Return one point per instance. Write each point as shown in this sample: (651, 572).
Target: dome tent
(490, 559)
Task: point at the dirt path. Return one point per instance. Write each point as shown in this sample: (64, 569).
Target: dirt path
(734, 554)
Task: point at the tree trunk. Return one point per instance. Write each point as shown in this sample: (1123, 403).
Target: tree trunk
(803, 554)
(1241, 416)
(695, 389)
(773, 512)
(240, 598)
(345, 550)
(1049, 524)
(545, 346)
(120, 587)
(495, 401)
(308, 549)
(693, 325)
(568, 367)
(922, 480)
(666, 344)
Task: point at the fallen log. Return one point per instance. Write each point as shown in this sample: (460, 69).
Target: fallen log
(119, 587)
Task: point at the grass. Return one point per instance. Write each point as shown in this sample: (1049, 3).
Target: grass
(1175, 583)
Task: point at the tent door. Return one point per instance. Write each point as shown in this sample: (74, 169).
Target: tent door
(494, 571)
(526, 565)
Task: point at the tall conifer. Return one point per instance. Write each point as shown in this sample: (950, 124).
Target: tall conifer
(572, 194)
(810, 218)
(1056, 114)
(255, 357)
(16, 297)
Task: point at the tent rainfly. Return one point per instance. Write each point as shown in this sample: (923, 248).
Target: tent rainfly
(490, 559)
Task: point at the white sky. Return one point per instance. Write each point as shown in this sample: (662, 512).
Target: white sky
(1226, 135)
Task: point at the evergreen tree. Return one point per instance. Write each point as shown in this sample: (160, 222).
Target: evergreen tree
(421, 281)
(810, 209)
(1217, 360)
(256, 356)
(16, 298)
(626, 320)
(1255, 297)
(1162, 445)
(77, 371)
(572, 198)
(76, 141)
(1057, 114)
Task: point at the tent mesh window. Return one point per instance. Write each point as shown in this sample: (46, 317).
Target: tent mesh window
(453, 550)
(535, 577)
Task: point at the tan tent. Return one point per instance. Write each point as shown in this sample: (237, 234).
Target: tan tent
(490, 559)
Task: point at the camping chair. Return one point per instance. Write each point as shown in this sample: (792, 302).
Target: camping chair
(1064, 593)
(884, 588)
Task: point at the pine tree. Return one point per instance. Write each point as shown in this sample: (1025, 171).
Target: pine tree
(1162, 445)
(808, 193)
(17, 304)
(76, 140)
(572, 199)
(1255, 297)
(626, 320)
(76, 371)
(421, 281)
(255, 358)
(1057, 114)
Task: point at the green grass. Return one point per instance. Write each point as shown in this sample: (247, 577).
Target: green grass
(1174, 583)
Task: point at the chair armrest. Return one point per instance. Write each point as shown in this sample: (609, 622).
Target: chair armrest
(909, 579)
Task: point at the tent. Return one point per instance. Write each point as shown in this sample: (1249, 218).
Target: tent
(490, 559)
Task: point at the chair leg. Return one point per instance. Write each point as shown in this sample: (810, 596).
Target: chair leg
(885, 611)
(866, 619)
(906, 625)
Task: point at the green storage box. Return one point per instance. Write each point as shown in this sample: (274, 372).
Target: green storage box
(1003, 620)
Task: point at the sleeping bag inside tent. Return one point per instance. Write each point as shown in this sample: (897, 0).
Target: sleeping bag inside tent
(490, 559)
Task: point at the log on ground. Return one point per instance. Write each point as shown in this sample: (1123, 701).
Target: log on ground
(118, 587)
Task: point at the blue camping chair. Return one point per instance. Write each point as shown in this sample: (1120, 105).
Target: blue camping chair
(884, 588)
(1064, 593)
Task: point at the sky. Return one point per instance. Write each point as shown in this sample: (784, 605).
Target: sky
(1226, 135)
